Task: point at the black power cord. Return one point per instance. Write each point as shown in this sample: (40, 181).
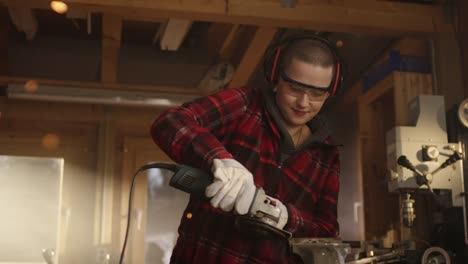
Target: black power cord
(171, 167)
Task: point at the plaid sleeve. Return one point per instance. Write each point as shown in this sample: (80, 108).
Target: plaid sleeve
(189, 134)
(322, 222)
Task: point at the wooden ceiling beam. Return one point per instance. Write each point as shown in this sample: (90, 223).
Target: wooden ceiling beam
(74, 9)
(111, 35)
(252, 56)
(226, 51)
(174, 33)
(358, 16)
(139, 17)
(217, 38)
(24, 20)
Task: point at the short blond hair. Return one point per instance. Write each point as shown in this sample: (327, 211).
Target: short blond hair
(308, 50)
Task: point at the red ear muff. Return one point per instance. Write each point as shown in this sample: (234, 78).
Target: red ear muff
(337, 77)
(275, 63)
(273, 54)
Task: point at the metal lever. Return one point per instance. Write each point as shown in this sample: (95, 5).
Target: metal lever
(456, 156)
(403, 161)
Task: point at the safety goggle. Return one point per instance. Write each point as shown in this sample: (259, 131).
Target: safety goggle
(286, 78)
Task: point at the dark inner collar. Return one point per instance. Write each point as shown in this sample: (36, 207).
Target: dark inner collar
(317, 126)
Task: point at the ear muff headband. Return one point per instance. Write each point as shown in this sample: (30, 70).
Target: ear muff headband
(275, 62)
(337, 76)
(273, 55)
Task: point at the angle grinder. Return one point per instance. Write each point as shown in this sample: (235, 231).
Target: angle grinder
(263, 213)
(259, 223)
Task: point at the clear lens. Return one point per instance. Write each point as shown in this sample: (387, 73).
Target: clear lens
(298, 91)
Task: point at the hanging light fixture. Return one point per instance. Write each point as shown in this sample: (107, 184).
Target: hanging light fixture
(59, 7)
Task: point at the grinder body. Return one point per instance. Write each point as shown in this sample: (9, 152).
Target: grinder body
(262, 217)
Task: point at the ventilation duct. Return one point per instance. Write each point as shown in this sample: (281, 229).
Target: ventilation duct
(98, 96)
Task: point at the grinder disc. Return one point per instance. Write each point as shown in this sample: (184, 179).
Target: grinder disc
(256, 229)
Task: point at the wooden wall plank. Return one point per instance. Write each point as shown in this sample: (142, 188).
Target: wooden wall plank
(406, 88)
(378, 90)
(31, 110)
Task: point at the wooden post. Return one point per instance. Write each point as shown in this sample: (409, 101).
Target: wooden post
(463, 40)
(3, 41)
(111, 34)
(448, 68)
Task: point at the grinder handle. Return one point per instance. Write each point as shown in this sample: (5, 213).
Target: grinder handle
(190, 180)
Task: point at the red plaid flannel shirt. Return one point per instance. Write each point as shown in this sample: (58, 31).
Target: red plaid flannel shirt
(235, 124)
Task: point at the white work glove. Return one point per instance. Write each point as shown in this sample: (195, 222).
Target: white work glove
(232, 187)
